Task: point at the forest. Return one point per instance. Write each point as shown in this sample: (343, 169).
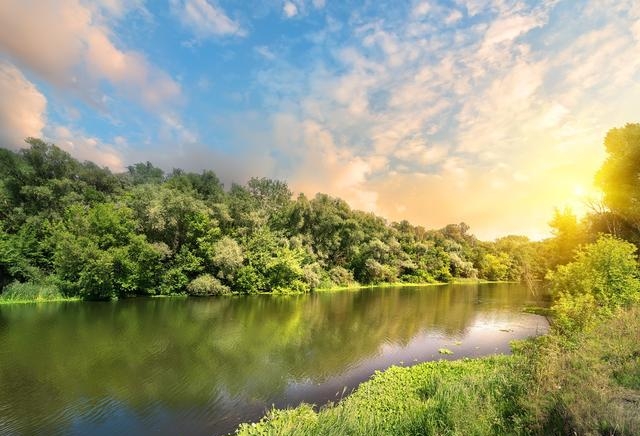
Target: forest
(74, 229)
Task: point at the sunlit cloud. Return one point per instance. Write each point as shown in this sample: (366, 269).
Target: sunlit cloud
(87, 148)
(22, 107)
(204, 19)
(474, 124)
(69, 44)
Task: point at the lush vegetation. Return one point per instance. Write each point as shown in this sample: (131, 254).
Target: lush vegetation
(79, 230)
(71, 229)
(582, 378)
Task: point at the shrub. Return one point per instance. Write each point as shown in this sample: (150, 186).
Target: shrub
(603, 277)
(206, 284)
(341, 276)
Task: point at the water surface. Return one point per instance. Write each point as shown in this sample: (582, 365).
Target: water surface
(201, 366)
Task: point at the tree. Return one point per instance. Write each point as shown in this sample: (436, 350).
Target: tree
(142, 173)
(568, 235)
(619, 176)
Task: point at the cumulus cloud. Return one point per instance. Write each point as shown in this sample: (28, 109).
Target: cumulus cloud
(204, 19)
(69, 44)
(23, 114)
(486, 122)
(22, 107)
(290, 9)
(87, 148)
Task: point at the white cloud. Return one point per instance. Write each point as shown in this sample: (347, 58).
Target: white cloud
(204, 19)
(453, 17)
(493, 122)
(289, 9)
(318, 4)
(23, 114)
(87, 148)
(22, 107)
(70, 45)
(421, 9)
(265, 52)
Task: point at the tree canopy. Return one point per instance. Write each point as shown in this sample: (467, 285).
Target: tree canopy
(96, 234)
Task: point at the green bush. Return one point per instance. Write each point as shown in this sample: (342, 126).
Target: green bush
(603, 277)
(589, 385)
(341, 276)
(207, 284)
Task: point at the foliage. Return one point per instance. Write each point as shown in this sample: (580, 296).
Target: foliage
(455, 398)
(589, 386)
(17, 291)
(603, 277)
(206, 284)
(619, 176)
(143, 232)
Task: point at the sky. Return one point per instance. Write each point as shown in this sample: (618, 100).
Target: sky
(491, 113)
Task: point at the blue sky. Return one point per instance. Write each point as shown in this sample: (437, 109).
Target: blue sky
(489, 112)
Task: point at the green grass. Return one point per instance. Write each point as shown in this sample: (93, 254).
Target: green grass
(357, 286)
(466, 397)
(32, 293)
(589, 385)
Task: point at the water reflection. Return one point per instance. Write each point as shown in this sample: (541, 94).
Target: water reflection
(200, 366)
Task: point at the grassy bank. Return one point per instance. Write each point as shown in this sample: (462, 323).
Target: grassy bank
(461, 397)
(18, 293)
(550, 386)
(458, 281)
(40, 293)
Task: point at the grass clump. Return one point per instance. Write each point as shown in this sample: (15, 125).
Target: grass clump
(28, 292)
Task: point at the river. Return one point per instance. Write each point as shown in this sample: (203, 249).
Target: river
(166, 366)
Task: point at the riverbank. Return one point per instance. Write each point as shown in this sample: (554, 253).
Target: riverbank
(23, 293)
(458, 281)
(39, 300)
(550, 385)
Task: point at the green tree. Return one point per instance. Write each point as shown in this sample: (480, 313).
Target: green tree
(619, 176)
(603, 277)
(143, 173)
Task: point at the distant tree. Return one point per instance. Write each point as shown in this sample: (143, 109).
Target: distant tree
(142, 173)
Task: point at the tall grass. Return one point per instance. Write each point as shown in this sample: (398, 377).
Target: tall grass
(25, 292)
(589, 385)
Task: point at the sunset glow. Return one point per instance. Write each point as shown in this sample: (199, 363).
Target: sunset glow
(492, 113)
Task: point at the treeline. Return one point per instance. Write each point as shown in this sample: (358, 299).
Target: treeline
(76, 229)
(79, 229)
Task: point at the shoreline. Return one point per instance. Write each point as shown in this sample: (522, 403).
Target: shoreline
(354, 287)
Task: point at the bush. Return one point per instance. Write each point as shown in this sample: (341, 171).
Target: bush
(603, 277)
(207, 284)
(341, 276)
(589, 386)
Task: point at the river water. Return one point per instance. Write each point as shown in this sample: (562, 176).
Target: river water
(192, 366)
